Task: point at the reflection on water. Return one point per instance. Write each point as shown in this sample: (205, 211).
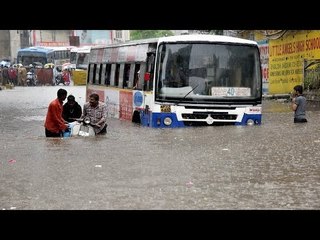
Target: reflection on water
(226, 167)
(283, 105)
(276, 106)
(32, 118)
(313, 106)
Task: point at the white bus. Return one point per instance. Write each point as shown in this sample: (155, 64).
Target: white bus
(187, 80)
(79, 57)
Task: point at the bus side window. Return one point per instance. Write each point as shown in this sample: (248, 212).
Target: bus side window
(112, 75)
(108, 74)
(116, 75)
(142, 83)
(121, 76)
(131, 75)
(91, 73)
(103, 74)
(97, 74)
(100, 74)
(81, 58)
(150, 70)
(137, 77)
(126, 75)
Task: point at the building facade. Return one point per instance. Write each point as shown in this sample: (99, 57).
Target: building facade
(13, 40)
(288, 58)
(10, 42)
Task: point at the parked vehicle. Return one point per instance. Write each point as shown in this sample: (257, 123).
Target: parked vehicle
(57, 74)
(80, 127)
(59, 79)
(32, 78)
(17, 65)
(5, 63)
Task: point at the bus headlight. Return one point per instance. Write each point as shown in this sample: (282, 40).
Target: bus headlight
(167, 121)
(250, 122)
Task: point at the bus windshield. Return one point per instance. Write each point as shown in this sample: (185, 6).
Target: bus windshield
(79, 57)
(82, 60)
(73, 57)
(43, 55)
(25, 61)
(207, 71)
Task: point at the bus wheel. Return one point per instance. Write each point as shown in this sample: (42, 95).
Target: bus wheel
(136, 117)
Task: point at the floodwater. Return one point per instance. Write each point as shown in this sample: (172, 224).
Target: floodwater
(272, 166)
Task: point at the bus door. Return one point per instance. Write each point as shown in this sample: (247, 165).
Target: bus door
(148, 76)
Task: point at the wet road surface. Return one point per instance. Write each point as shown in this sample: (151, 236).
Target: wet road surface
(272, 166)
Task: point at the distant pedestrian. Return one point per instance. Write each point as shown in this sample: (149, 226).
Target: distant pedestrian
(298, 105)
(5, 75)
(1, 78)
(137, 79)
(22, 76)
(12, 72)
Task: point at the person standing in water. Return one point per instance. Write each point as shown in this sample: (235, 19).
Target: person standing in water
(54, 124)
(71, 109)
(298, 105)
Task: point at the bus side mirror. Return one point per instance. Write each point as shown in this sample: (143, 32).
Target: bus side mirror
(147, 76)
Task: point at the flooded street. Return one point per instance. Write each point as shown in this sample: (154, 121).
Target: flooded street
(272, 166)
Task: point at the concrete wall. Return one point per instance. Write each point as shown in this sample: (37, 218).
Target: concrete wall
(5, 51)
(9, 44)
(15, 44)
(50, 37)
(12, 40)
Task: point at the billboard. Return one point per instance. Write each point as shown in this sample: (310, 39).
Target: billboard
(287, 56)
(93, 37)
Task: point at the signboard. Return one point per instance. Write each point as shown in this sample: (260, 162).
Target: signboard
(230, 91)
(126, 104)
(264, 58)
(52, 44)
(112, 101)
(79, 77)
(286, 59)
(138, 99)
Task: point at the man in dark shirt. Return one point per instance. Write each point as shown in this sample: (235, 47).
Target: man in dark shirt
(71, 110)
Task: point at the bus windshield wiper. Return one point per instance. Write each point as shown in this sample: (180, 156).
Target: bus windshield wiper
(188, 93)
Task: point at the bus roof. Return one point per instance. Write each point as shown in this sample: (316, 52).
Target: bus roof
(84, 49)
(129, 43)
(36, 49)
(206, 38)
(44, 49)
(192, 37)
(60, 48)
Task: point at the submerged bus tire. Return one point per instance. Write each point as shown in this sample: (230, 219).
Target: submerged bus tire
(136, 117)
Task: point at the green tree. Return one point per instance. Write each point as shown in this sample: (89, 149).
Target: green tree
(216, 32)
(143, 34)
